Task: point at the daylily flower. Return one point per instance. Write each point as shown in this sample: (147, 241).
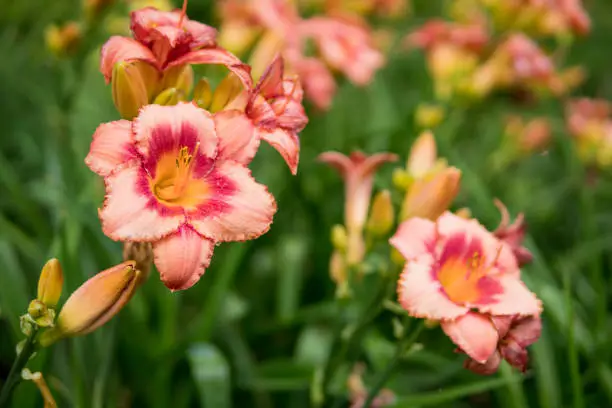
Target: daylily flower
(513, 234)
(514, 335)
(455, 268)
(472, 37)
(277, 112)
(589, 121)
(167, 42)
(357, 170)
(433, 185)
(177, 177)
(529, 136)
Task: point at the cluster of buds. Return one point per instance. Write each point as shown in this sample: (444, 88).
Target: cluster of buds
(467, 60)
(88, 308)
(589, 121)
(349, 242)
(275, 27)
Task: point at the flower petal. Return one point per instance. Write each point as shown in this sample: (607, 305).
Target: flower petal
(181, 258)
(111, 147)
(317, 80)
(415, 237)
(118, 49)
(248, 212)
(237, 138)
(287, 143)
(515, 298)
(221, 57)
(421, 295)
(182, 122)
(474, 334)
(128, 215)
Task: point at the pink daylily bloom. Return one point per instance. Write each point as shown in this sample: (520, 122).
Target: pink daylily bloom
(453, 267)
(473, 37)
(357, 170)
(169, 39)
(177, 177)
(277, 112)
(527, 60)
(509, 337)
(345, 46)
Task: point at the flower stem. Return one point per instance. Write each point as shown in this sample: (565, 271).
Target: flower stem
(404, 344)
(14, 376)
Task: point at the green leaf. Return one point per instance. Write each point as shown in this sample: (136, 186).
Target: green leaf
(211, 374)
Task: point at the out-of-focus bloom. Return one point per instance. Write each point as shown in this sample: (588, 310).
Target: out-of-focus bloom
(63, 40)
(559, 18)
(168, 42)
(93, 8)
(432, 184)
(277, 112)
(513, 234)
(50, 283)
(452, 51)
(515, 334)
(94, 303)
(528, 137)
(177, 177)
(344, 46)
(590, 124)
(357, 170)
(459, 273)
(358, 393)
(382, 215)
(364, 8)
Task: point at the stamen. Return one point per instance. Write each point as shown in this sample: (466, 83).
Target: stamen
(183, 13)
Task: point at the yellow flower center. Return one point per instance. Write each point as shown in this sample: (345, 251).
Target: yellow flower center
(460, 276)
(174, 183)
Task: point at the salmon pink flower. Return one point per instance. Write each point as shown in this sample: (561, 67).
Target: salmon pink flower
(357, 170)
(472, 37)
(590, 124)
(455, 267)
(511, 336)
(177, 177)
(345, 46)
(277, 112)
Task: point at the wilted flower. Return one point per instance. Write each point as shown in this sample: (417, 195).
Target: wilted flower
(277, 112)
(514, 335)
(455, 272)
(177, 178)
(357, 170)
(94, 303)
(432, 184)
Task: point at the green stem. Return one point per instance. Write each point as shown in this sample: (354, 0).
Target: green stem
(403, 345)
(19, 364)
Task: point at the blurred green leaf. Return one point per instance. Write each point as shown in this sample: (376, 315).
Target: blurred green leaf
(211, 374)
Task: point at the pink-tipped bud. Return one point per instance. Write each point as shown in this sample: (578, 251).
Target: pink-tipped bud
(95, 302)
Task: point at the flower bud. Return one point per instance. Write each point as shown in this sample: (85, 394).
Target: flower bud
(129, 89)
(382, 214)
(339, 237)
(95, 302)
(63, 40)
(202, 94)
(50, 283)
(180, 77)
(428, 116)
(422, 155)
(142, 254)
(431, 196)
(169, 97)
(226, 91)
(401, 179)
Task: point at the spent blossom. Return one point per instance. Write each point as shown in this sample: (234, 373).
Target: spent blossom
(461, 275)
(176, 177)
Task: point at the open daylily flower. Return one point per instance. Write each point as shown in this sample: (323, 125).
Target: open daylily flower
(166, 40)
(358, 172)
(177, 177)
(277, 112)
(510, 335)
(453, 267)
